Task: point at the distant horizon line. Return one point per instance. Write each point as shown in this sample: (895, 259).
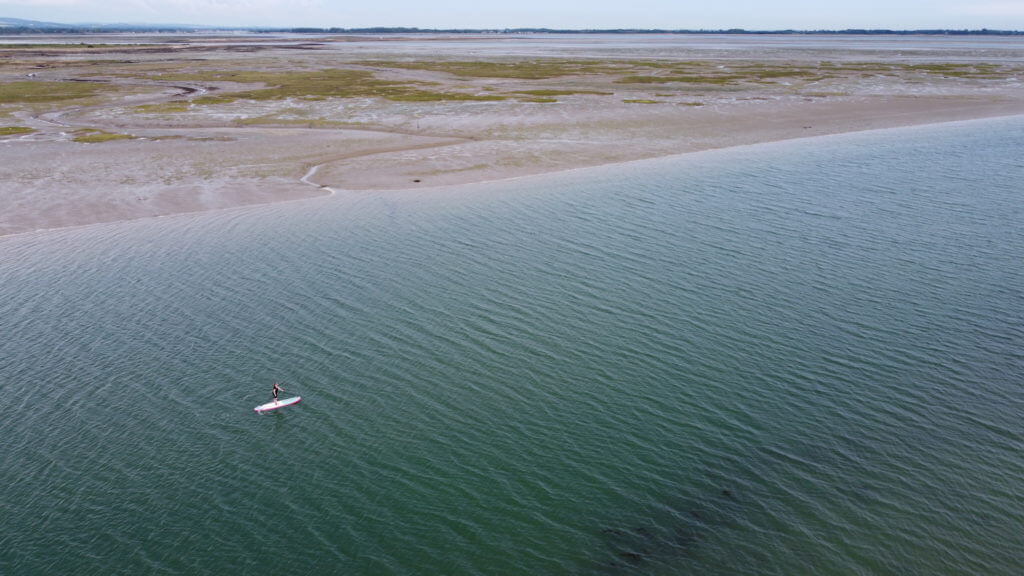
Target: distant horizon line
(138, 28)
(23, 26)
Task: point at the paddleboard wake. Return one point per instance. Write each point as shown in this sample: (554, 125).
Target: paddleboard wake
(277, 404)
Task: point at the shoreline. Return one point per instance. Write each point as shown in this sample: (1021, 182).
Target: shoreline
(466, 179)
(331, 192)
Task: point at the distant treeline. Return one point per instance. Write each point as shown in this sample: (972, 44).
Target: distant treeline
(142, 28)
(19, 30)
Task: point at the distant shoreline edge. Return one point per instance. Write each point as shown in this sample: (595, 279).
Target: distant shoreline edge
(16, 26)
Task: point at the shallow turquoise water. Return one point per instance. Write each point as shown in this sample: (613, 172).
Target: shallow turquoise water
(799, 358)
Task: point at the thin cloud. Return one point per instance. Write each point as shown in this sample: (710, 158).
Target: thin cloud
(750, 14)
(45, 3)
(1005, 9)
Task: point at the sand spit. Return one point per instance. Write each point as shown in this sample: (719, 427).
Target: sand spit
(126, 131)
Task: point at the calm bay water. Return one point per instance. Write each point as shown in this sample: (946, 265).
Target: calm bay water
(800, 358)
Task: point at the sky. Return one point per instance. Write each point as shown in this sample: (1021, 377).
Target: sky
(566, 14)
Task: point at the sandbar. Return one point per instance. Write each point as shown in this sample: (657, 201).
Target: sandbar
(127, 128)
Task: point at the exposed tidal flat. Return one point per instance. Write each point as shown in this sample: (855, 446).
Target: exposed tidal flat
(108, 128)
(793, 358)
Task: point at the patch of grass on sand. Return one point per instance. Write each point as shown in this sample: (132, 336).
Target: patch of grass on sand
(522, 70)
(641, 101)
(680, 78)
(761, 72)
(981, 71)
(319, 85)
(553, 93)
(222, 99)
(401, 94)
(93, 136)
(953, 70)
(548, 96)
(273, 120)
(34, 92)
(665, 64)
(861, 67)
(163, 108)
(15, 130)
(765, 73)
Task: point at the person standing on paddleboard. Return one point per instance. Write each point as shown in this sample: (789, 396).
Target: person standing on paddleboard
(277, 388)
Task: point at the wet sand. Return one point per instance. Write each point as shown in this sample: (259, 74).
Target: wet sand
(176, 153)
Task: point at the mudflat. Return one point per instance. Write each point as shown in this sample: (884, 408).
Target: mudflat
(106, 128)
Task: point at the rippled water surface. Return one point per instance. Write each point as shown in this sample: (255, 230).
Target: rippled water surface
(800, 358)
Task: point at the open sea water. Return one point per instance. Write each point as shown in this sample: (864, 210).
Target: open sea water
(798, 358)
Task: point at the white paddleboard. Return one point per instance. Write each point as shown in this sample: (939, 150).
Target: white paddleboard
(277, 404)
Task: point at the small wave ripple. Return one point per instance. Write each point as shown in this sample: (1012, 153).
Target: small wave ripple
(778, 360)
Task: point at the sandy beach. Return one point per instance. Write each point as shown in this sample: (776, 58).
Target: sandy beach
(123, 129)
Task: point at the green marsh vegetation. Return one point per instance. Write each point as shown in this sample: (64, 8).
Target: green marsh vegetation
(969, 71)
(637, 72)
(15, 130)
(284, 79)
(94, 136)
(320, 85)
(541, 69)
(981, 71)
(171, 107)
(714, 73)
(282, 120)
(622, 71)
(42, 92)
(548, 96)
(680, 78)
(554, 93)
(234, 78)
